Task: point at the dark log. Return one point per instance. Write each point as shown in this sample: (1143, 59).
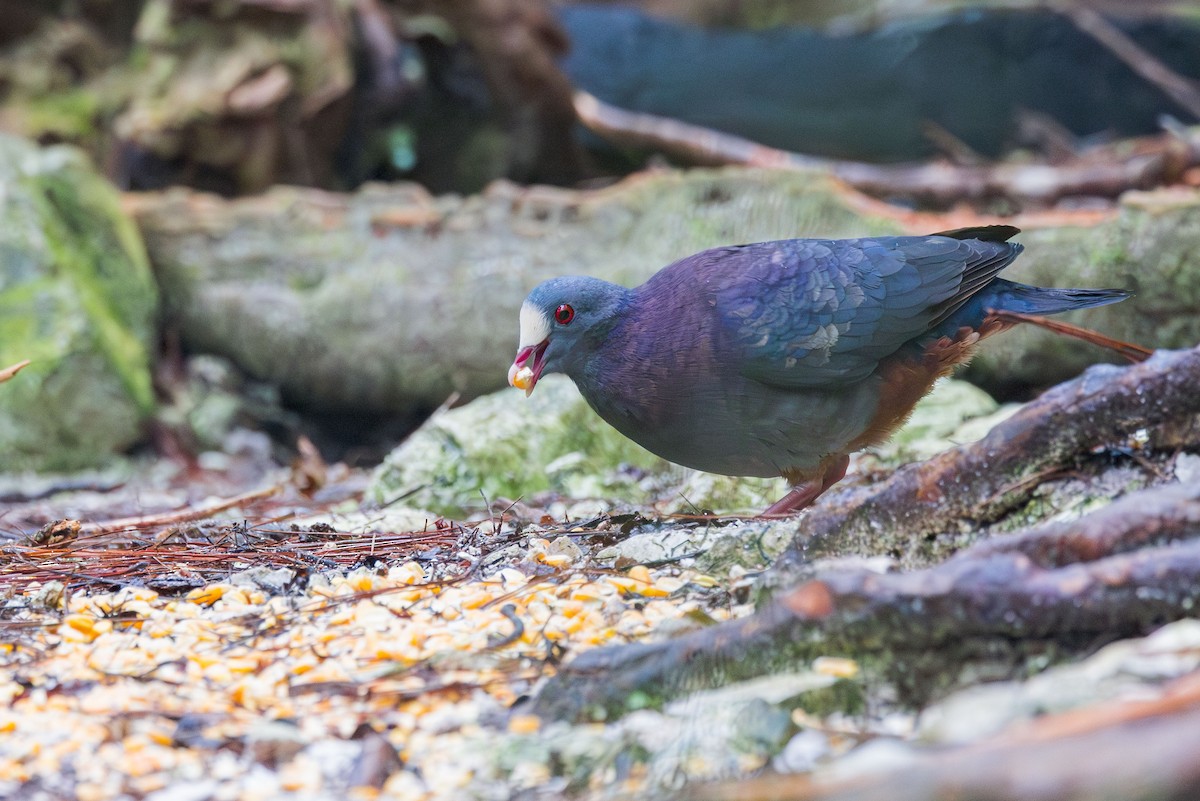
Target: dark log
(518, 44)
(871, 94)
(1183, 91)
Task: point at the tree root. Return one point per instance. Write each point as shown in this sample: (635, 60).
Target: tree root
(906, 515)
(1062, 587)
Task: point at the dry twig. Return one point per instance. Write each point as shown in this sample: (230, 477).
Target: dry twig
(10, 371)
(1142, 164)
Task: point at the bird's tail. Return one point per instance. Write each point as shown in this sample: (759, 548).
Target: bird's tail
(1010, 302)
(1024, 299)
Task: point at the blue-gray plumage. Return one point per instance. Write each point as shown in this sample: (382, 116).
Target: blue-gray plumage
(781, 358)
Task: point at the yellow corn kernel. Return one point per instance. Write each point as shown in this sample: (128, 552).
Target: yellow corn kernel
(86, 791)
(84, 624)
(623, 584)
(206, 596)
(202, 659)
(408, 573)
(570, 608)
(836, 666)
(361, 581)
(524, 724)
(160, 737)
(475, 600)
(640, 573)
(588, 592)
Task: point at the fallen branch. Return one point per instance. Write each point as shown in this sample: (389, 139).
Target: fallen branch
(1105, 172)
(179, 515)
(1152, 517)
(1143, 62)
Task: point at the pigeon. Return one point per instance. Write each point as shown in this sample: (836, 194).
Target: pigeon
(782, 358)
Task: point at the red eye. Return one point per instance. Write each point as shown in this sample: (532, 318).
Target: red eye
(564, 314)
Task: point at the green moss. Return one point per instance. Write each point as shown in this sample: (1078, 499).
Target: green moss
(98, 251)
(506, 445)
(78, 299)
(68, 114)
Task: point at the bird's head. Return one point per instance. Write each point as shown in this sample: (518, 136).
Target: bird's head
(562, 321)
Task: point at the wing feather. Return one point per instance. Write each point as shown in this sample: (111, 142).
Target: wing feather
(820, 313)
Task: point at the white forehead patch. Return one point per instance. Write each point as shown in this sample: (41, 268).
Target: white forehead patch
(535, 325)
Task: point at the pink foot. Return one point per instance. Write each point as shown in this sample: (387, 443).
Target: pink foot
(802, 496)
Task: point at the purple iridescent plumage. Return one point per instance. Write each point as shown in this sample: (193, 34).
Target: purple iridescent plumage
(779, 358)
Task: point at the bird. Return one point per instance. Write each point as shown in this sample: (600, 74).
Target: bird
(782, 358)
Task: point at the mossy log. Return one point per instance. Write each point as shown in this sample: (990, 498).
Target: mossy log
(389, 299)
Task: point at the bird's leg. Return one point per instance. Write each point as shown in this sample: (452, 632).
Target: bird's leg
(802, 496)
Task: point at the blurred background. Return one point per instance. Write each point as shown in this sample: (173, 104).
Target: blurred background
(317, 218)
(233, 96)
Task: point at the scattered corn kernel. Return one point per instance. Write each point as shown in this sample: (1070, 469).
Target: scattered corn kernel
(524, 724)
(836, 666)
(640, 573)
(206, 596)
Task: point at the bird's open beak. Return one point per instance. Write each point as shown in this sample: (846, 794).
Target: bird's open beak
(527, 367)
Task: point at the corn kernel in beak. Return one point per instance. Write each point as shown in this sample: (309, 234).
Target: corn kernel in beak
(523, 379)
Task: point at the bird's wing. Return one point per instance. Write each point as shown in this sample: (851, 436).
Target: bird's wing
(809, 313)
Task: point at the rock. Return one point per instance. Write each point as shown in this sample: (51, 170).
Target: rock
(501, 445)
(274, 581)
(654, 546)
(720, 733)
(275, 742)
(1125, 669)
(1187, 468)
(78, 299)
(802, 752)
(875, 756)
